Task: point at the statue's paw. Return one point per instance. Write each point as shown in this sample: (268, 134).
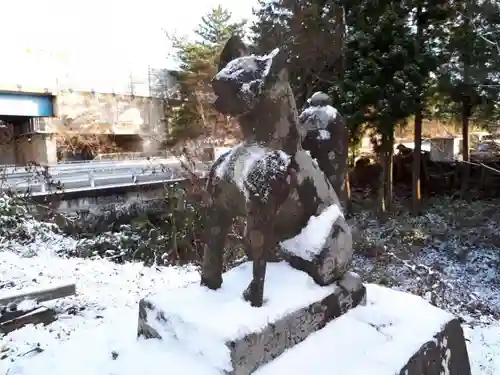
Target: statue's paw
(251, 295)
(247, 294)
(211, 283)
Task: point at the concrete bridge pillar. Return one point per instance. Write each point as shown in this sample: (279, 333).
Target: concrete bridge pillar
(40, 148)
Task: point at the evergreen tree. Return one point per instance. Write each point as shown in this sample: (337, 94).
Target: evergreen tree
(306, 30)
(380, 77)
(217, 27)
(469, 80)
(198, 65)
(430, 19)
(313, 33)
(414, 57)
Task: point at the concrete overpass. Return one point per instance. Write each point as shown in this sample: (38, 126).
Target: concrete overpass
(30, 119)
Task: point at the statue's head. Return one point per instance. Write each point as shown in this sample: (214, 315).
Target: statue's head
(319, 98)
(244, 80)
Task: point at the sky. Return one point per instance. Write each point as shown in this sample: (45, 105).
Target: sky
(95, 40)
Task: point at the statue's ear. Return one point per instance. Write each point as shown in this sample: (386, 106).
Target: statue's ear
(233, 49)
(279, 59)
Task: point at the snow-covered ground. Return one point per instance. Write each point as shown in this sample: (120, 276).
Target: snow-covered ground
(96, 329)
(97, 334)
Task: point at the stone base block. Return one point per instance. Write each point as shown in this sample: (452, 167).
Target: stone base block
(222, 330)
(445, 353)
(394, 333)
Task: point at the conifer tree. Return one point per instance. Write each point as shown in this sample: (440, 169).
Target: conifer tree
(198, 62)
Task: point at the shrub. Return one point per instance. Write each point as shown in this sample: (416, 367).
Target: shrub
(173, 237)
(23, 234)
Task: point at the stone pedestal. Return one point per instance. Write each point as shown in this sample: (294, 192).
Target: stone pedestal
(445, 353)
(210, 333)
(224, 331)
(394, 333)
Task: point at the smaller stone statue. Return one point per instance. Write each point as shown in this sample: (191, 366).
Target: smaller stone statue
(325, 136)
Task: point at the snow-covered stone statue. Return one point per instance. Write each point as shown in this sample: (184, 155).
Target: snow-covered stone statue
(291, 209)
(325, 136)
(270, 179)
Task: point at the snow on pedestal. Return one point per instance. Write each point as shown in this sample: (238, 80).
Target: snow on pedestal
(394, 333)
(229, 335)
(323, 248)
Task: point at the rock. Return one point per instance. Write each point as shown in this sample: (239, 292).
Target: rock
(231, 336)
(323, 249)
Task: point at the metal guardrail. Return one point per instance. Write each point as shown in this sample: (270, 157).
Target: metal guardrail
(39, 180)
(104, 164)
(131, 156)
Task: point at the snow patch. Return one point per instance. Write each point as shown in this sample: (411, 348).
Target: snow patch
(250, 70)
(382, 333)
(309, 169)
(323, 135)
(26, 304)
(241, 161)
(247, 64)
(319, 117)
(377, 339)
(311, 240)
(483, 347)
(104, 290)
(96, 330)
(219, 151)
(102, 338)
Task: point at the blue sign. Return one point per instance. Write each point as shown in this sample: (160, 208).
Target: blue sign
(26, 105)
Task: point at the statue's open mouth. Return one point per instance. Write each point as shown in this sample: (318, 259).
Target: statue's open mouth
(226, 99)
(217, 104)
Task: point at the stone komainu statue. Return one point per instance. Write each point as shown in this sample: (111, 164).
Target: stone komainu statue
(268, 178)
(325, 136)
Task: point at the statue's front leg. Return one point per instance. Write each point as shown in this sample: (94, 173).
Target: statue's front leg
(218, 226)
(260, 239)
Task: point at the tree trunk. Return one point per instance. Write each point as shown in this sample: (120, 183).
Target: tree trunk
(417, 137)
(348, 203)
(466, 106)
(385, 184)
(465, 144)
(389, 171)
(340, 35)
(381, 207)
(417, 152)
